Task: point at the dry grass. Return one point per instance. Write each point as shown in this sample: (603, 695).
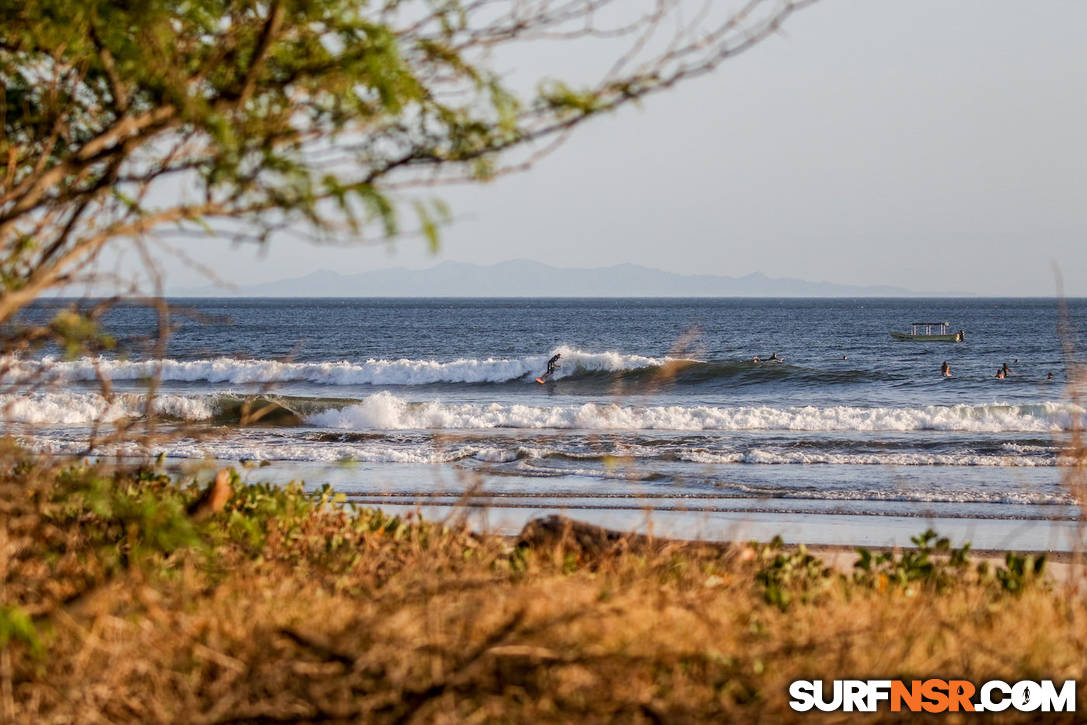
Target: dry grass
(285, 607)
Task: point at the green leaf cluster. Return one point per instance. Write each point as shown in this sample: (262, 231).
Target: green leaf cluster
(290, 111)
(786, 576)
(932, 562)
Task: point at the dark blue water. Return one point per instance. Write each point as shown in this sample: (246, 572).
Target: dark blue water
(810, 335)
(653, 397)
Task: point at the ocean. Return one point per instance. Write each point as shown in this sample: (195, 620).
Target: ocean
(658, 418)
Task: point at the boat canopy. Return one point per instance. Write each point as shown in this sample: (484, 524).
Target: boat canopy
(930, 332)
(927, 328)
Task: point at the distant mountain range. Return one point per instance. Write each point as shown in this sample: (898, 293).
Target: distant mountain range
(523, 278)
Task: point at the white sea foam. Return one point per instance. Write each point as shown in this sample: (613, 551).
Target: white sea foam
(908, 494)
(764, 456)
(282, 447)
(387, 411)
(368, 372)
(79, 409)
(772, 457)
(257, 451)
(549, 460)
(490, 454)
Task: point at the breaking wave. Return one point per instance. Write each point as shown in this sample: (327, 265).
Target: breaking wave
(78, 409)
(370, 372)
(580, 369)
(386, 411)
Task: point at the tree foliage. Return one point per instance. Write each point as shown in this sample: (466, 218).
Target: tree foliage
(144, 119)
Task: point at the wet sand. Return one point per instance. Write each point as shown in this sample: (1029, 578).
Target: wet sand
(440, 493)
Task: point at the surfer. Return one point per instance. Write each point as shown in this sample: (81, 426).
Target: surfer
(1000, 374)
(553, 363)
(756, 359)
(1006, 370)
(774, 356)
(945, 369)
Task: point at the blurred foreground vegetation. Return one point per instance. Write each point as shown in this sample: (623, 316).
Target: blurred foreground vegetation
(123, 600)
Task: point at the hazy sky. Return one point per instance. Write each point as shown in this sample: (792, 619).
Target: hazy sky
(929, 145)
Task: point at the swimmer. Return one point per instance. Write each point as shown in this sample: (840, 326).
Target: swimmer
(1007, 370)
(774, 356)
(1000, 373)
(845, 357)
(945, 369)
(756, 359)
(1049, 377)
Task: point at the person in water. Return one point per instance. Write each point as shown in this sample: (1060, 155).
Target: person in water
(1007, 370)
(756, 359)
(553, 363)
(945, 369)
(774, 356)
(1000, 373)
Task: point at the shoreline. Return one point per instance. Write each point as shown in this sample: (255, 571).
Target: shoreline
(1062, 567)
(830, 532)
(838, 530)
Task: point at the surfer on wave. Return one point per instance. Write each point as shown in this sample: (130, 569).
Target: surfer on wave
(553, 363)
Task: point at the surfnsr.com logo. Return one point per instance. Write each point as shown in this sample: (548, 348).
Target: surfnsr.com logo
(932, 695)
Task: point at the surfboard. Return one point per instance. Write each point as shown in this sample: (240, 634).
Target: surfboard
(543, 378)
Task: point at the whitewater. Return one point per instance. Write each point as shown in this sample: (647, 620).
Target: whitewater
(342, 372)
(386, 411)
